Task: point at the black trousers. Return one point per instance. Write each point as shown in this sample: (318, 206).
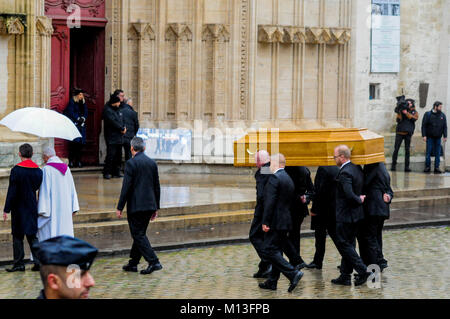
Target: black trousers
(273, 252)
(370, 240)
(346, 244)
(138, 223)
(320, 234)
(256, 237)
(398, 142)
(75, 150)
(113, 159)
(19, 253)
(292, 248)
(127, 149)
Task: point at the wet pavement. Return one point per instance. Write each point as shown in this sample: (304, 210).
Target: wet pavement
(97, 194)
(418, 268)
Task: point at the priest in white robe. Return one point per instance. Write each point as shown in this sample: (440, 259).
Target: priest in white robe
(58, 200)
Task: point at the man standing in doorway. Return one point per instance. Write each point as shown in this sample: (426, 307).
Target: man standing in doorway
(115, 129)
(434, 126)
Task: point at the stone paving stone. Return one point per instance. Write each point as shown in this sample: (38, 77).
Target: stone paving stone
(418, 268)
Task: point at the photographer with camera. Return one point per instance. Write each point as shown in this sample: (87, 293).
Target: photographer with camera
(406, 118)
(77, 112)
(434, 126)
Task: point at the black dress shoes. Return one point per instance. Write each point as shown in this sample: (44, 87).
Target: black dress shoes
(313, 265)
(437, 171)
(263, 273)
(407, 170)
(295, 281)
(36, 267)
(151, 268)
(393, 168)
(361, 279)
(426, 170)
(269, 285)
(300, 266)
(117, 176)
(342, 280)
(16, 268)
(107, 176)
(130, 268)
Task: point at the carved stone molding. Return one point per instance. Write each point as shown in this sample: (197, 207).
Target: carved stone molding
(44, 26)
(93, 6)
(270, 33)
(216, 32)
(297, 34)
(318, 35)
(140, 31)
(178, 32)
(11, 24)
(340, 35)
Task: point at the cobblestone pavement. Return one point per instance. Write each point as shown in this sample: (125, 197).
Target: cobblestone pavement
(418, 268)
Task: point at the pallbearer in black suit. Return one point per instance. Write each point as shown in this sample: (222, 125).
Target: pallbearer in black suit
(21, 202)
(277, 221)
(349, 215)
(304, 188)
(377, 187)
(256, 234)
(323, 211)
(141, 192)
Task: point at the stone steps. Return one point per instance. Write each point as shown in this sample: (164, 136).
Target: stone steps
(160, 224)
(202, 215)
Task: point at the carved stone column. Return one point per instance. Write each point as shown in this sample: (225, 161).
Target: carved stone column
(140, 58)
(179, 40)
(44, 30)
(215, 37)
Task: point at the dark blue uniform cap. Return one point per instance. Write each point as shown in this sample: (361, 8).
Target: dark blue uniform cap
(65, 251)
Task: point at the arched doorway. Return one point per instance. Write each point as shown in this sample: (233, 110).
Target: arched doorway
(78, 60)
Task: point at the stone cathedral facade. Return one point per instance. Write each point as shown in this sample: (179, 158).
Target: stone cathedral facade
(218, 67)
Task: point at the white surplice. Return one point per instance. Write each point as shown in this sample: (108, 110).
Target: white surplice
(57, 202)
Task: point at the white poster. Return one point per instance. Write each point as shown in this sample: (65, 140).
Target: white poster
(385, 41)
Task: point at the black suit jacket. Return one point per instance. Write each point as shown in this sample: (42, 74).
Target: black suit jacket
(301, 176)
(261, 176)
(350, 182)
(130, 120)
(277, 201)
(21, 200)
(377, 182)
(140, 189)
(324, 200)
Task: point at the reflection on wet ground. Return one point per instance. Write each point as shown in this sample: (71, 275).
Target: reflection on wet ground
(418, 268)
(97, 194)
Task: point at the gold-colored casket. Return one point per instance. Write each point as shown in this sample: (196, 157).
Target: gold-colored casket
(310, 147)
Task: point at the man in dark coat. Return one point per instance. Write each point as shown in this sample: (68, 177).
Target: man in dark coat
(304, 189)
(24, 181)
(256, 234)
(434, 126)
(277, 221)
(349, 215)
(141, 192)
(377, 187)
(323, 211)
(406, 118)
(77, 112)
(130, 118)
(114, 130)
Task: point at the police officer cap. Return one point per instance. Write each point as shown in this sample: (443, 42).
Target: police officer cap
(65, 251)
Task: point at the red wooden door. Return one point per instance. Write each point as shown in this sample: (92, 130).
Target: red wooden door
(60, 77)
(87, 65)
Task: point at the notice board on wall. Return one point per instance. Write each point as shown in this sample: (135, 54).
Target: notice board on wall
(385, 36)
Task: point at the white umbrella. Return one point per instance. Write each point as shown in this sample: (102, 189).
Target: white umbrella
(41, 122)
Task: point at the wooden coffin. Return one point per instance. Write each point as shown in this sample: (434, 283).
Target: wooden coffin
(310, 147)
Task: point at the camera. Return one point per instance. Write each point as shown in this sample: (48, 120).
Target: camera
(402, 104)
